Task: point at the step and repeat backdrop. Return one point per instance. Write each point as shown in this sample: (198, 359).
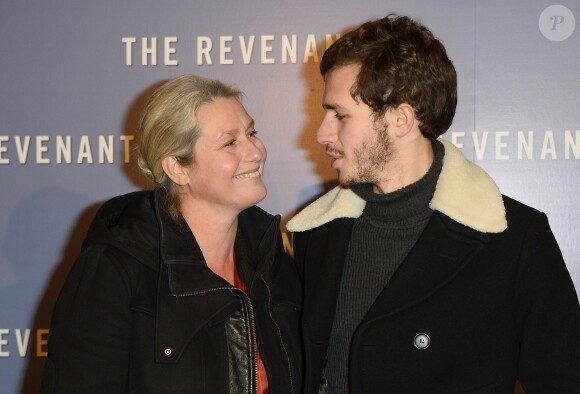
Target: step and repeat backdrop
(74, 76)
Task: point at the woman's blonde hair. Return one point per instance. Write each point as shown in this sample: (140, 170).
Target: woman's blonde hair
(169, 127)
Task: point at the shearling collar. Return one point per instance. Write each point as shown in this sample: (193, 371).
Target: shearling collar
(464, 192)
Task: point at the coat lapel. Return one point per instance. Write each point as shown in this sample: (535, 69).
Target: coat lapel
(327, 246)
(443, 249)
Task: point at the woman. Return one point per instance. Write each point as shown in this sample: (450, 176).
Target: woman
(184, 289)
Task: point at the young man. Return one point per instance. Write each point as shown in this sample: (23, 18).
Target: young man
(419, 276)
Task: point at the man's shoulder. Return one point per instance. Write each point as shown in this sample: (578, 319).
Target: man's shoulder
(519, 214)
(338, 203)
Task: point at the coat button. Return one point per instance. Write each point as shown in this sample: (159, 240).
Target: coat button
(422, 341)
(167, 352)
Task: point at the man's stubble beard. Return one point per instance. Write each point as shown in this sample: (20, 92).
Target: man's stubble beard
(371, 157)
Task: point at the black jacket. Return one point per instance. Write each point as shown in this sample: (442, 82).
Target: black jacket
(142, 313)
(483, 298)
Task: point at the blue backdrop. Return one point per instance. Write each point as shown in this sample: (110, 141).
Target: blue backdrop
(75, 74)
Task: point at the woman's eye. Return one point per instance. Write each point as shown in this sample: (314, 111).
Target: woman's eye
(253, 134)
(230, 143)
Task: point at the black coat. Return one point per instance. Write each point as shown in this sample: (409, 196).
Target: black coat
(468, 311)
(142, 313)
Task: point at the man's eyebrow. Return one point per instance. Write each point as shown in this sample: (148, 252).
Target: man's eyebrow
(332, 107)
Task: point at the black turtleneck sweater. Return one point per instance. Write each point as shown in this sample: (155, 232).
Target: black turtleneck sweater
(381, 239)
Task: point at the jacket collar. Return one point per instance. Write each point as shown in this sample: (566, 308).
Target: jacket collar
(464, 192)
(188, 272)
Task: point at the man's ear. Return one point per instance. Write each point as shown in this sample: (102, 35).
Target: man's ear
(175, 171)
(402, 119)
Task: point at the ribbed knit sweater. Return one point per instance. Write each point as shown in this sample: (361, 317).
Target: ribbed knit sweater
(381, 239)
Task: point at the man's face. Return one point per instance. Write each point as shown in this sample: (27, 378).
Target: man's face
(359, 146)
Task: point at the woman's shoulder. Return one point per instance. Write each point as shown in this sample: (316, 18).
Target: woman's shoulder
(127, 223)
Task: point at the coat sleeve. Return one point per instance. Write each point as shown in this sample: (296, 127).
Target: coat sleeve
(548, 315)
(88, 348)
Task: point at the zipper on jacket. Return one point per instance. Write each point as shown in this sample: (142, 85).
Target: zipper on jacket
(253, 340)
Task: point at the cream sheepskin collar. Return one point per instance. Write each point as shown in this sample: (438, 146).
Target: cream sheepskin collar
(464, 192)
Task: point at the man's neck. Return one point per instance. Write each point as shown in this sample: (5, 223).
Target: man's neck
(411, 162)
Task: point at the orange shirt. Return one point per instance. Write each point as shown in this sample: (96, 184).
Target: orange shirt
(262, 377)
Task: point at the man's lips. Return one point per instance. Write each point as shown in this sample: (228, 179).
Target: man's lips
(334, 156)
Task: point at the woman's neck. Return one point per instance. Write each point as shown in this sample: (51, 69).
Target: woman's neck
(215, 233)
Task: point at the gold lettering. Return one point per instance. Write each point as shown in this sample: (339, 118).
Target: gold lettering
(41, 342)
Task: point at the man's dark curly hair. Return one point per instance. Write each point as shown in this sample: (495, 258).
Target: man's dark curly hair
(400, 62)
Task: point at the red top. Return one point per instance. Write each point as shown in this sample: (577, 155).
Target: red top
(262, 377)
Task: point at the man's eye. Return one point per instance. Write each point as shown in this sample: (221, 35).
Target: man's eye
(339, 116)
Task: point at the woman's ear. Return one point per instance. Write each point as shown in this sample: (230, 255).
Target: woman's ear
(175, 171)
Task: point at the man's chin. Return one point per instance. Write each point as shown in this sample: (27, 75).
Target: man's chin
(347, 183)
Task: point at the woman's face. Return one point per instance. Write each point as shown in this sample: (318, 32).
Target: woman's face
(229, 158)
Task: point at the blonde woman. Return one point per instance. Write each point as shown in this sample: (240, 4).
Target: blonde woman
(184, 289)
